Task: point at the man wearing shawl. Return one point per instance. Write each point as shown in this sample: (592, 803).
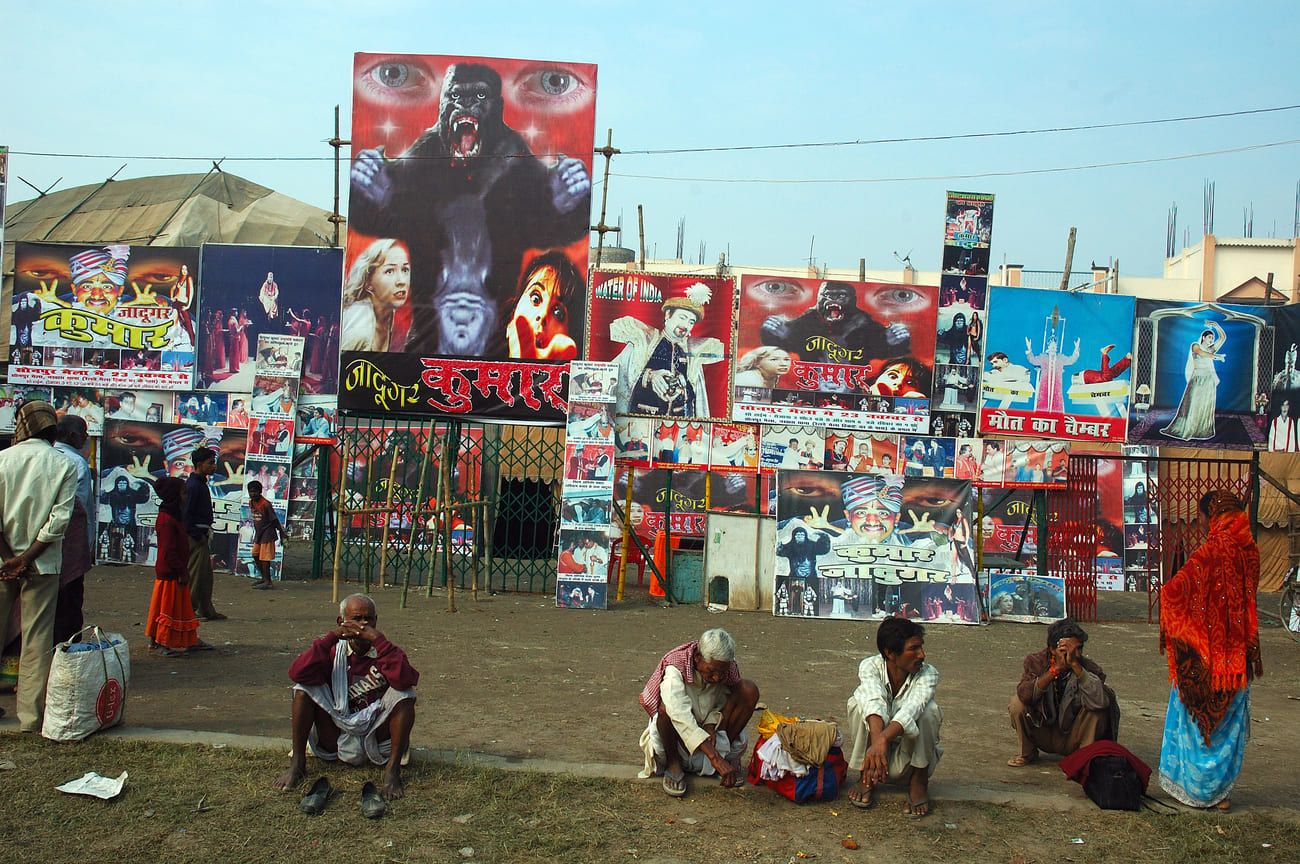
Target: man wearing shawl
(38, 490)
(1062, 703)
(1210, 635)
(699, 707)
(353, 699)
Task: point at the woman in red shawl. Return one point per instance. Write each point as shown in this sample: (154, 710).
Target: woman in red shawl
(1210, 634)
(172, 627)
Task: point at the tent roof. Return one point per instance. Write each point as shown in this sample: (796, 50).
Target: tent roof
(172, 210)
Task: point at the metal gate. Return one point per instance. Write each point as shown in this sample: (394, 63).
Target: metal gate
(1072, 515)
(485, 516)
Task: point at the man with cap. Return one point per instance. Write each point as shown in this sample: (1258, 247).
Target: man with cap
(1062, 703)
(198, 519)
(871, 506)
(661, 371)
(38, 490)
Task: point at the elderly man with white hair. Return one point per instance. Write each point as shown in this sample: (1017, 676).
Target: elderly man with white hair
(699, 707)
(353, 701)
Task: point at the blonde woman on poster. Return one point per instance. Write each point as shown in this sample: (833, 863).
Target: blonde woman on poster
(762, 367)
(379, 284)
(1194, 420)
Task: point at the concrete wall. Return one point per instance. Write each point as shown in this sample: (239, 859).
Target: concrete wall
(1155, 288)
(733, 553)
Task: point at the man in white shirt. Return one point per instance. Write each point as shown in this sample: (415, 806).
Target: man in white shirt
(893, 719)
(699, 707)
(38, 488)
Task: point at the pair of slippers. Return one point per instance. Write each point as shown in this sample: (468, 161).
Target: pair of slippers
(868, 800)
(373, 805)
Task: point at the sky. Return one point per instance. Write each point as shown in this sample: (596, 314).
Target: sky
(239, 79)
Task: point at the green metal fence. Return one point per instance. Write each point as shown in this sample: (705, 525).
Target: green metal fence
(393, 528)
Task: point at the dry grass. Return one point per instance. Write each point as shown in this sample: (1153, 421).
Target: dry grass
(209, 805)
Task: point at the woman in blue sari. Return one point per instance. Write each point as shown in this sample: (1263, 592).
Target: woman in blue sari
(1210, 634)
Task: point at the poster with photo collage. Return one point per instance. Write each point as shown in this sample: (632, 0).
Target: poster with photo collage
(963, 315)
(1141, 517)
(587, 493)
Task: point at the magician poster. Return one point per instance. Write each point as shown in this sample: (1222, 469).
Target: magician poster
(868, 546)
(468, 225)
(834, 353)
(1058, 365)
(111, 315)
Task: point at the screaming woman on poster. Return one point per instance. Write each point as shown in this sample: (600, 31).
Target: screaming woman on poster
(379, 283)
(1195, 418)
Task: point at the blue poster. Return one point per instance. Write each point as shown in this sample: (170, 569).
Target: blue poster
(1202, 370)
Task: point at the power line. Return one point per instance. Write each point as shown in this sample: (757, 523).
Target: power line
(963, 136)
(1020, 173)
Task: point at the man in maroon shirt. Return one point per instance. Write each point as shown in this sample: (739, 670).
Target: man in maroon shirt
(353, 698)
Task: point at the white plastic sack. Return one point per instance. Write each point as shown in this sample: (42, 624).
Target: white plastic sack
(87, 686)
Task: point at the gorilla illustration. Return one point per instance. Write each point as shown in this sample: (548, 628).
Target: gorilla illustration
(838, 318)
(802, 552)
(467, 199)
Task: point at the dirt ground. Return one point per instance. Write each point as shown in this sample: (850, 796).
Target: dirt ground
(514, 676)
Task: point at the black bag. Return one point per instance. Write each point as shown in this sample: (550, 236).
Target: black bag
(1112, 784)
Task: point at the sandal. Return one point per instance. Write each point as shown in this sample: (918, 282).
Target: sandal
(909, 809)
(866, 796)
(674, 784)
(164, 651)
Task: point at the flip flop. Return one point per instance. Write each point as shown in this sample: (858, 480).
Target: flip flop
(909, 809)
(675, 784)
(317, 797)
(373, 805)
(861, 804)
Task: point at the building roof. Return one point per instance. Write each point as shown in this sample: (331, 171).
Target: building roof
(172, 210)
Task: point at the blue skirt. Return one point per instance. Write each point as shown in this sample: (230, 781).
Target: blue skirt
(1197, 775)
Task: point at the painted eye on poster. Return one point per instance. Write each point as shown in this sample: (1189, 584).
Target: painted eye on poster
(398, 82)
(550, 88)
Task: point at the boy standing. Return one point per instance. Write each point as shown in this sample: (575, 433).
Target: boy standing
(266, 528)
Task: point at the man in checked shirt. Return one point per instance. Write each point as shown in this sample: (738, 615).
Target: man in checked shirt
(893, 719)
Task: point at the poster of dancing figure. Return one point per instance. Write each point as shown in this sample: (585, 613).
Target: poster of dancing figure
(868, 546)
(1059, 365)
(468, 222)
(1202, 368)
(831, 353)
(113, 315)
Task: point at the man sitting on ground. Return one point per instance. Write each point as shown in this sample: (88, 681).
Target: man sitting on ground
(893, 719)
(699, 707)
(353, 698)
(1062, 703)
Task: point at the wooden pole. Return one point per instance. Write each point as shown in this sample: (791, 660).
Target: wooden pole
(415, 510)
(366, 521)
(480, 515)
(338, 521)
(388, 514)
(627, 537)
(640, 225)
(434, 535)
(1069, 260)
(608, 151)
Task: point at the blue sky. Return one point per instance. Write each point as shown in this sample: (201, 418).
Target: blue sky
(260, 79)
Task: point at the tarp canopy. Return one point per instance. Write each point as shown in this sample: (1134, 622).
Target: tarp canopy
(172, 210)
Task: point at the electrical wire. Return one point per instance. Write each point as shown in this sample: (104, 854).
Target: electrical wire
(936, 177)
(962, 136)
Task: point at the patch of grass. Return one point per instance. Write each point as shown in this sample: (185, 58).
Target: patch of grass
(201, 804)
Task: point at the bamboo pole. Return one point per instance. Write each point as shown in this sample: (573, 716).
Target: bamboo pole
(433, 538)
(451, 455)
(480, 514)
(388, 515)
(415, 509)
(370, 485)
(342, 506)
(627, 538)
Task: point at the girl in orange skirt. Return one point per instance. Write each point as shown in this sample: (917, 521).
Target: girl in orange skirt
(172, 627)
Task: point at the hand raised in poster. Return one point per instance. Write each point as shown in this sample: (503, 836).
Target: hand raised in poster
(141, 466)
(775, 330)
(921, 525)
(234, 476)
(370, 176)
(820, 521)
(570, 184)
(897, 333)
(144, 296)
(49, 293)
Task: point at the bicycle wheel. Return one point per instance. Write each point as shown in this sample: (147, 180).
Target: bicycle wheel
(1289, 611)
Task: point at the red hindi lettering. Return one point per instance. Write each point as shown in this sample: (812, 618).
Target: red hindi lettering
(496, 377)
(441, 376)
(549, 382)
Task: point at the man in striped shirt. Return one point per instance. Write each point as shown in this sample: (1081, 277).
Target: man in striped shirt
(893, 719)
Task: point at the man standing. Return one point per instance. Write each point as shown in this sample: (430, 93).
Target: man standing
(661, 371)
(198, 524)
(893, 719)
(1062, 703)
(38, 489)
(699, 707)
(71, 441)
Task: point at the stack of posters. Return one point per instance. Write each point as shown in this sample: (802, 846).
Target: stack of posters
(850, 355)
(1058, 365)
(1281, 407)
(1141, 519)
(1010, 529)
(868, 546)
(1011, 464)
(468, 221)
(118, 317)
(586, 500)
(1204, 375)
(735, 485)
(962, 318)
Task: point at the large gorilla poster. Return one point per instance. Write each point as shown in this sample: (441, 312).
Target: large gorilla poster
(848, 355)
(468, 222)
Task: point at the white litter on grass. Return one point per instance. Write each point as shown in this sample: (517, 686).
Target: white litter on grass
(94, 785)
